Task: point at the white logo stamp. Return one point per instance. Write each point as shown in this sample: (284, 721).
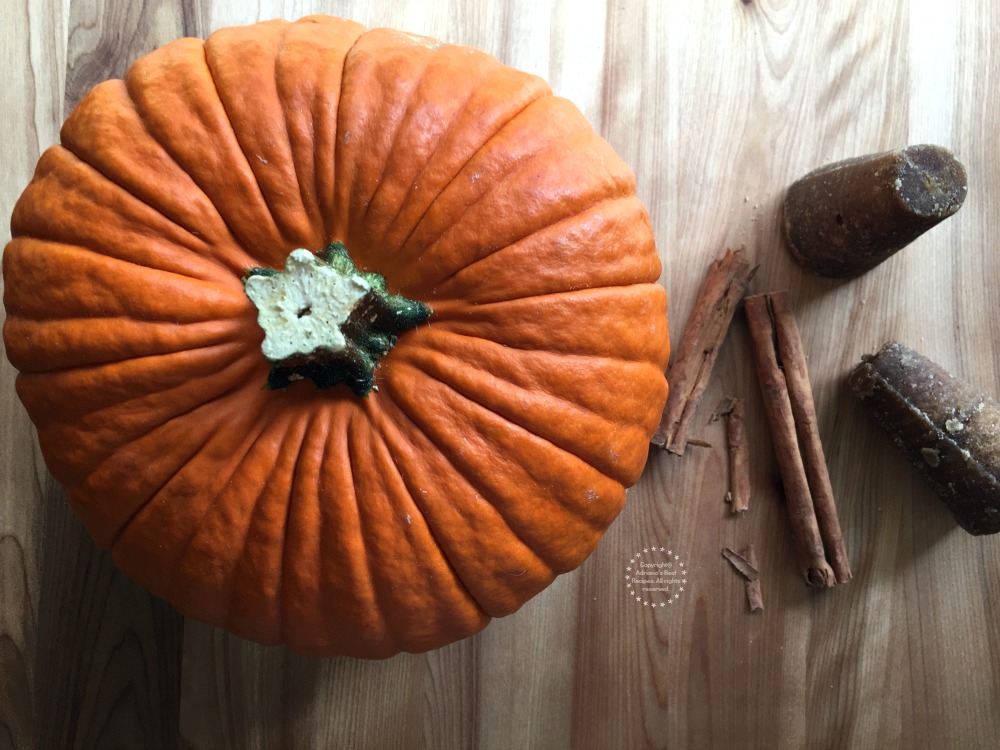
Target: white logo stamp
(655, 576)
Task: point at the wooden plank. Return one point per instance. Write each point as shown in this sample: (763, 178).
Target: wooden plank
(34, 42)
(718, 106)
(109, 669)
(87, 658)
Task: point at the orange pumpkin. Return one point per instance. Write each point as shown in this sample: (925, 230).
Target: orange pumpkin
(499, 437)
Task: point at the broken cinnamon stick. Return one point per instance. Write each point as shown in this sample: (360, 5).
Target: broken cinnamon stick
(847, 217)
(791, 415)
(739, 465)
(724, 286)
(733, 409)
(745, 564)
(745, 568)
(755, 597)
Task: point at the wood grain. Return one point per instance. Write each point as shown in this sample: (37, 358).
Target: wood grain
(718, 106)
(87, 658)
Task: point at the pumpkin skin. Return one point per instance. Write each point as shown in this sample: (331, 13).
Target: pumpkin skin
(497, 446)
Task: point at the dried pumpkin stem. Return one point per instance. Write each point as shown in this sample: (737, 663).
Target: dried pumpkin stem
(325, 320)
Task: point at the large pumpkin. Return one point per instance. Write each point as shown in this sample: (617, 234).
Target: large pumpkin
(499, 437)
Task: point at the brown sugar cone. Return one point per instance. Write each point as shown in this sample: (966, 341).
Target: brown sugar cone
(949, 430)
(845, 218)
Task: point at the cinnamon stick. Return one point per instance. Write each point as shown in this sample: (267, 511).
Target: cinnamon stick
(780, 364)
(804, 410)
(724, 286)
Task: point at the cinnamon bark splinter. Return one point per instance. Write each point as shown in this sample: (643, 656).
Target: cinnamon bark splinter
(755, 597)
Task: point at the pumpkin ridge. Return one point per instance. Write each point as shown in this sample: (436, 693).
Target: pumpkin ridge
(624, 195)
(369, 582)
(297, 51)
(470, 320)
(498, 183)
(57, 174)
(28, 374)
(493, 384)
(489, 611)
(170, 339)
(477, 152)
(280, 594)
(224, 263)
(131, 196)
(341, 516)
(229, 591)
(329, 222)
(282, 231)
(423, 168)
(394, 634)
(427, 366)
(419, 427)
(319, 438)
(444, 330)
(77, 395)
(228, 620)
(456, 578)
(489, 494)
(286, 129)
(248, 443)
(569, 256)
(259, 613)
(159, 286)
(240, 242)
(340, 232)
(311, 205)
(471, 617)
(81, 418)
(526, 166)
(416, 77)
(238, 49)
(450, 307)
(457, 311)
(589, 196)
(116, 534)
(535, 92)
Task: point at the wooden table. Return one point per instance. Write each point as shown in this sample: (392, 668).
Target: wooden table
(718, 105)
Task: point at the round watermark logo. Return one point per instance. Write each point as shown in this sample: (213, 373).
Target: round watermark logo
(655, 576)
